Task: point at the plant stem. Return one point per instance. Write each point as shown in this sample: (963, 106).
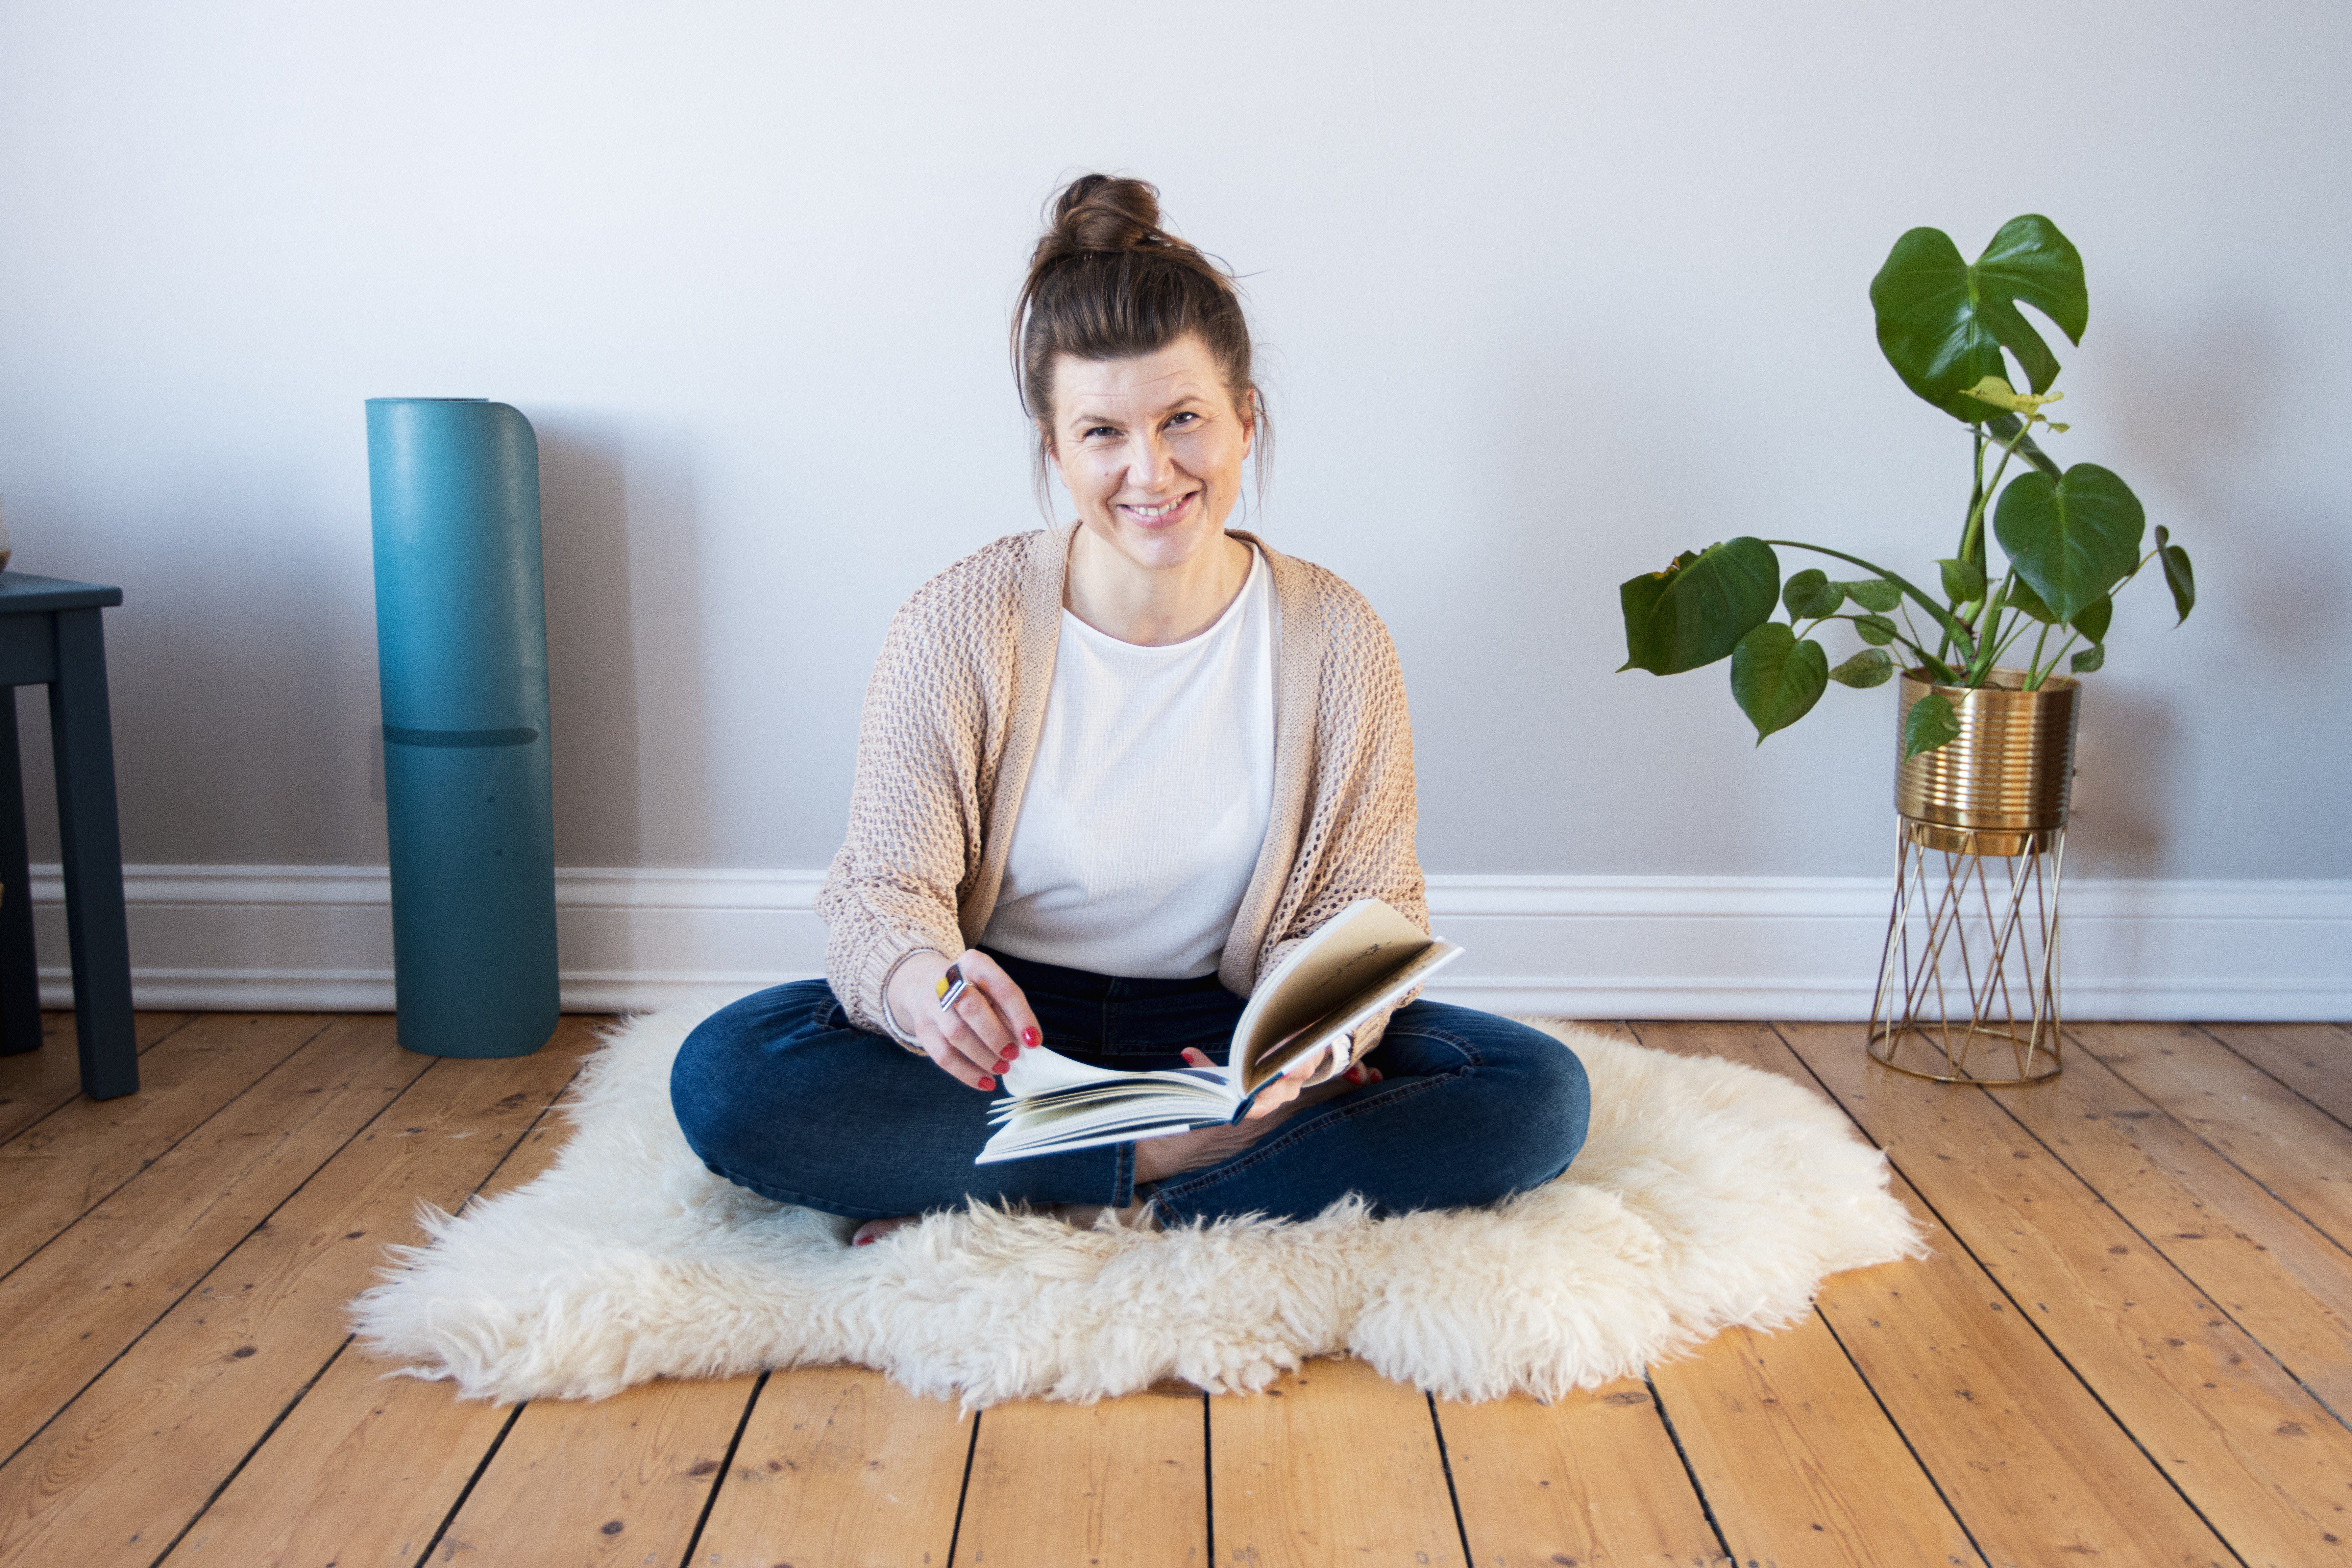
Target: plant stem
(1909, 637)
(2008, 450)
(1943, 616)
(2035, 684)
(1988, 628)
(1976, 504)
(1976, 490)
(1972, 536)
(2034, 674)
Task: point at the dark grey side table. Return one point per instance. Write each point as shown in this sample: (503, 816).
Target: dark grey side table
(50, 635)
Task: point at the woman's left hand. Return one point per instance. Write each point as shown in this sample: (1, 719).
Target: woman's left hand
(1273, 1096)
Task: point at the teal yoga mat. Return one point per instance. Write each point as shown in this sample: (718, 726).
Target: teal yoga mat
(461, 645)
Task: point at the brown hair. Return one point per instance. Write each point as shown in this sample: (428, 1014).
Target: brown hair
(1108, 281)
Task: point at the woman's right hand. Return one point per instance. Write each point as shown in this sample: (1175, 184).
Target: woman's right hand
(977, 1038)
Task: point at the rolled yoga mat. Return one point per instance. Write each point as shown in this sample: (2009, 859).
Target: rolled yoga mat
(461, 643)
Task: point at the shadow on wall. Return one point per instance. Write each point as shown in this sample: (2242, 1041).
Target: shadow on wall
(235, 709)
(2200, 409)
(619, 530)
(2124, 757)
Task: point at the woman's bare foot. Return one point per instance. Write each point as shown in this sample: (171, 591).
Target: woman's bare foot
(1134, 1216)
(1173, 1153)
(1082, 1216)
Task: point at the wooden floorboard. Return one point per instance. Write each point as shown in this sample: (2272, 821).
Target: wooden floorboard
(1332, 1463)
(622, 1481)
(63, 1166)
(2036, 1470)
(1121, 1481)
(1593, 1478)
(840, 1467)
(34, 1083)
(85, 1298)
(2132, 1343)
(2281, 1280)
(2275, 1135)
(1797, 1459)
(136, 1455)
(2313, 1059)
(368, 1466)
(2251, 1449)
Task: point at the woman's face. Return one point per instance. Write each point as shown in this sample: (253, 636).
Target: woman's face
(1150, 449)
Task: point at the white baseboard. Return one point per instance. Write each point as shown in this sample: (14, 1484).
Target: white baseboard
(319, 937)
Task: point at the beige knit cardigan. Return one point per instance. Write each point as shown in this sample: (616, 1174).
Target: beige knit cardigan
(950, 726)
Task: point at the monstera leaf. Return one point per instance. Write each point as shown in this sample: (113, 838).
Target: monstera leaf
(1942, 322)
(1776, 677)
(1696, 610)
(1930, 723)
(2093, 622)
(1810, 594)
(2071, 541)
(1869, 668)
(2177, 574)
(1964, 581)
(1872, 594)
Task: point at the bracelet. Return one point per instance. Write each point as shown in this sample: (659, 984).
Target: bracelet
(890, 1019)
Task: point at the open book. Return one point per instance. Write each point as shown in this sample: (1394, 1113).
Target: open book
(1362, 959)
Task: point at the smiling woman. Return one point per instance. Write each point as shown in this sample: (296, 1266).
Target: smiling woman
(1109, 774)
(1134, 362)
(1150, 449)
(1108, 283)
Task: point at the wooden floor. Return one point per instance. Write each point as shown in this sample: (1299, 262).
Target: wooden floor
(2132, 1346)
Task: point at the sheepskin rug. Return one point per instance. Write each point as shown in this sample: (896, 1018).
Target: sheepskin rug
(1708, 1193)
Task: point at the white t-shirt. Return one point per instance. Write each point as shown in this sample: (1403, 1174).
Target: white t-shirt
(1149, 800)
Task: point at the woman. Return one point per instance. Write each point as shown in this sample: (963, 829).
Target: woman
(1112, 772)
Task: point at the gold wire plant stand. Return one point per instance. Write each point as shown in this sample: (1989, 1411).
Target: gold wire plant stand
(1969, 980)
(1961, 933)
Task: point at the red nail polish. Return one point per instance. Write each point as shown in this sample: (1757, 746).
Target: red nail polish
(988, 1083)
(863, 1241)
(1028, 1036)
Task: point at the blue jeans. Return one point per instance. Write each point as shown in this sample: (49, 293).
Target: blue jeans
(778, 1094)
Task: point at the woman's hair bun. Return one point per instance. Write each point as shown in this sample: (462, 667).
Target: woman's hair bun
(1105, 212)
(1107, 281)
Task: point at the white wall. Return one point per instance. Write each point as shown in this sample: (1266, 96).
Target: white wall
(1547, 292)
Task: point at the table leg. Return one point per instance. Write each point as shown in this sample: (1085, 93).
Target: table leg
(92, 841)
(20, 975)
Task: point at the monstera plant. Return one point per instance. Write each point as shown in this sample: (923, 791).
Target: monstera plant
(2070, 537)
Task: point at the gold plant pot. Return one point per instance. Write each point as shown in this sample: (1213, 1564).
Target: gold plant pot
(1971, 954)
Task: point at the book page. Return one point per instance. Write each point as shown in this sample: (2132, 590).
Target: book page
(1041, 1070)
(1025, 1137)
(1146, 1106)
(1357, 1008)
(1203, 1085)
(1348, 959)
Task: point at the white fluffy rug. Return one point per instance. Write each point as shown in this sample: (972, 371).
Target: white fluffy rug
(1708, 1194)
